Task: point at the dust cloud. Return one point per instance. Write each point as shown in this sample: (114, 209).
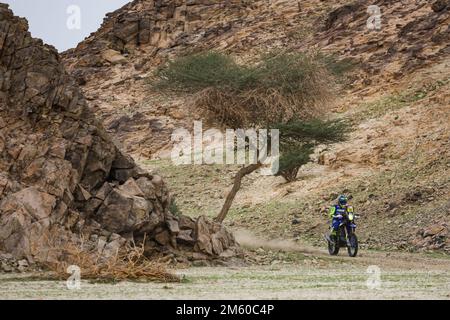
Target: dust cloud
(249, 240)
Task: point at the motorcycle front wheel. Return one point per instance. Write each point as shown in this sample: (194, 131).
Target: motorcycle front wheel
(333, 246)
(353, 248)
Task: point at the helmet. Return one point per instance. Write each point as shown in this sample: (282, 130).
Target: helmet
(343, 200)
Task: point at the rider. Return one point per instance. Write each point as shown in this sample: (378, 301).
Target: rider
(337, 213)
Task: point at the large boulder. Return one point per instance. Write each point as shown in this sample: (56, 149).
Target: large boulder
(125, 209)
(211, 237)
(25, 216)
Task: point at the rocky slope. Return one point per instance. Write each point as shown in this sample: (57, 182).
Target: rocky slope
(395, 163)
(114, 63)
(62, 178)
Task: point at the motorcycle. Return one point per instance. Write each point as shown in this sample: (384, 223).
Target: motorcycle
(342, 239)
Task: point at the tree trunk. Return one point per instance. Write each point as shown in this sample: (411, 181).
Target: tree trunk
(237, 185)
(290, 175)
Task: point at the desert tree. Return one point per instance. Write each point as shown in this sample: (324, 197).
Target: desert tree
(287, 91)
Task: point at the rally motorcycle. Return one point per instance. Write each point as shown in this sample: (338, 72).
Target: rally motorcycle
(342, 239)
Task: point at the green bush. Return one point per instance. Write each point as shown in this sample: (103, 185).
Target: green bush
(313, 131)
(173, 208)
(338, 67)
(292, 159)
(298, 139)
(196, 72)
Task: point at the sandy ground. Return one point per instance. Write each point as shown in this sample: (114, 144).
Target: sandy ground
(316, 276)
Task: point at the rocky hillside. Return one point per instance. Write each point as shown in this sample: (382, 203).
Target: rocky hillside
(113, 64)
(62, 178)
(395, 164)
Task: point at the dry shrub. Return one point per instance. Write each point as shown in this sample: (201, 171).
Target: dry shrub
(129, 263)
(258, 106)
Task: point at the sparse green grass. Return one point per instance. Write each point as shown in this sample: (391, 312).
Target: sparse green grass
(384, 105)
(198, 189)
(301, 32)
(394, 102)
(268, 282)
(173, 207)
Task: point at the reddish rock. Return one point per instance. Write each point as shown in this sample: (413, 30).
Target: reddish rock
(433, 230)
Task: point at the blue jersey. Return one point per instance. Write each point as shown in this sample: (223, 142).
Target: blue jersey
(337, 210)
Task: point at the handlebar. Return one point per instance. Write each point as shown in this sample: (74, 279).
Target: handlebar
(340, 216)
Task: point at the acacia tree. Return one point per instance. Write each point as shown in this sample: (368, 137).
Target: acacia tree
(284, 91)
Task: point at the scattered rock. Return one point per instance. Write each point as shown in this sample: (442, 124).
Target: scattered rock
(185, 236)
(173, 226)
(413, 196)
(163, 238)
(113, 56)
(433, 230)
(440, 5)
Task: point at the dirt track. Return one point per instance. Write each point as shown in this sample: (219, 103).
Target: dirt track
(314, 276)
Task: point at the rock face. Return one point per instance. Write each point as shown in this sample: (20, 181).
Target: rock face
(62, 177)
(163, 25)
